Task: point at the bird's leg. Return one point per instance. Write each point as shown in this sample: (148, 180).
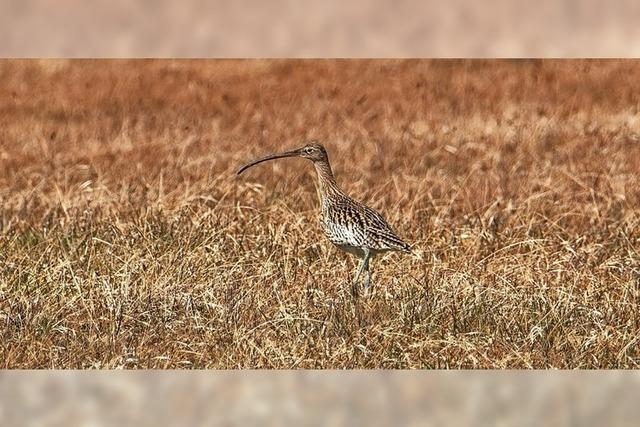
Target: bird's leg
(367, 279)
(363, 264)
(354, 284)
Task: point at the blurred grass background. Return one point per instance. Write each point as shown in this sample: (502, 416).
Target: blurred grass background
(286, 28)
(319, 398)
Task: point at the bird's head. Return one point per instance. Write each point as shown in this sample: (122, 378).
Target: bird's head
(312, 151)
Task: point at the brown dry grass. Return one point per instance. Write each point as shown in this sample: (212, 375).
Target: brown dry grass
(127, 241)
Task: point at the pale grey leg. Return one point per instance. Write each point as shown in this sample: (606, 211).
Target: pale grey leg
(357, 276)
(367, 279)
(364, 264)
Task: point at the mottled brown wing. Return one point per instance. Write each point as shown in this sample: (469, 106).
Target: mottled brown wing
(349, 223)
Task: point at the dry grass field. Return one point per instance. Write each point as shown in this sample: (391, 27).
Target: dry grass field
(127, 241)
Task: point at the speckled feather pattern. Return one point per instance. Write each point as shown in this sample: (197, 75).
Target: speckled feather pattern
(347, 223)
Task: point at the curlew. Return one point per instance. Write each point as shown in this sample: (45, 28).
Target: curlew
(348, 224)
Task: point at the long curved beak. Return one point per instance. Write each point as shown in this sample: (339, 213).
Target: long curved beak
(292, 153)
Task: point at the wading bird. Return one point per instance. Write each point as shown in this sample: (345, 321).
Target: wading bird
(348, 224)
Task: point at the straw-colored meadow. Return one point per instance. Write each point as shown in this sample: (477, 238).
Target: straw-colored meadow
(128, 242)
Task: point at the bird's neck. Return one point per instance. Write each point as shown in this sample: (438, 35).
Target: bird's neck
(327, 185)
